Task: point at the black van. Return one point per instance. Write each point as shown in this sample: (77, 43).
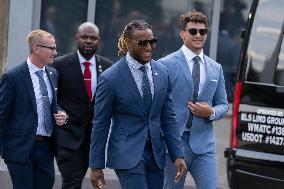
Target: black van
(255, 158)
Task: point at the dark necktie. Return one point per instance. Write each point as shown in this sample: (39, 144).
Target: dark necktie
(146, 89)
(88, 79)
(47, 117)
(196, 80)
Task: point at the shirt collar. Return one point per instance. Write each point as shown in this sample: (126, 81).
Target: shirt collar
(82, 59)
(189, 55)
(33, 68)
(134, 64)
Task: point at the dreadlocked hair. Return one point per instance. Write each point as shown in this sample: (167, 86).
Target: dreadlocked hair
(127, 32)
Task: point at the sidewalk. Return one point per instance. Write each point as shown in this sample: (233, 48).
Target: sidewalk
(111, 179)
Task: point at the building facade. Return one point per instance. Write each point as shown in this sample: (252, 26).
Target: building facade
(227, 18)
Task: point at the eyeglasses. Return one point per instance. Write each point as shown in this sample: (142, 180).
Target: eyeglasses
(144, 43)
(50, 48)
(193, 31)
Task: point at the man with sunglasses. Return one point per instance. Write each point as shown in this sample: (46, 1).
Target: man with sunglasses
(135, 94)
(199, 98)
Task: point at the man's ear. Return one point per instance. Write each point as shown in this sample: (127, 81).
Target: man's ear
(181, 33)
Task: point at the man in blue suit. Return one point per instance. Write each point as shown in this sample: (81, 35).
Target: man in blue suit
(28, 114)
(136, 95)
(199, 98)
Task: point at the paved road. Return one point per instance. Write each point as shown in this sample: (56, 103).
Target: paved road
(222, 134)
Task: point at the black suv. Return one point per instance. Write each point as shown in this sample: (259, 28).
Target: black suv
(255, 159)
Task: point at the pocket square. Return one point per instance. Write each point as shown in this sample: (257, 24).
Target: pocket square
(214, 80)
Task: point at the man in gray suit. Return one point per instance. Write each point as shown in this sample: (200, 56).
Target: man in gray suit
(199, 97)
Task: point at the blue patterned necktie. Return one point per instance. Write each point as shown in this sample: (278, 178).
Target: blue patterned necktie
(146, 88)
(196, 80)
(47, 117)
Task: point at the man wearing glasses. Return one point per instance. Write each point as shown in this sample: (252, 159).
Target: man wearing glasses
(28, 115)
(199, 98)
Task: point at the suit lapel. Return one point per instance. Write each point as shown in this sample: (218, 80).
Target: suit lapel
(129, 81)
(182, 64)
(99, 66)
(157, 84)
(208, 73)
(29, 84)
(52, 80)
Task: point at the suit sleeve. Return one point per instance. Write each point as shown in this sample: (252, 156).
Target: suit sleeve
(6, 101)
(170, 127)
(220, 102)
(101, 123)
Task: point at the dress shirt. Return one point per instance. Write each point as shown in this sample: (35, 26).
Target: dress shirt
(93, 69)
(39, 103)
(138, 74)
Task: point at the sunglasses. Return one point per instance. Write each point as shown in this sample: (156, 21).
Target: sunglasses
(193, 31)
(144, 43)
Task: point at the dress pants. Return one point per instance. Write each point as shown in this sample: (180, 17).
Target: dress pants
(37, 172)
(73, 164)
(202, 167)
(145, 175)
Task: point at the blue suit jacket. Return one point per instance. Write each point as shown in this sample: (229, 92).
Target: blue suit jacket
(18, 112)
(118, 98)
(201, 138)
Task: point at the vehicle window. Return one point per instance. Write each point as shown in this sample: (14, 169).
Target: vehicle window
(265, 55)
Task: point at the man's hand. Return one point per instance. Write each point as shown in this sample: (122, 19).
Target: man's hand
(201, 109)
(97, 178)
(60, 118)
(181, 169)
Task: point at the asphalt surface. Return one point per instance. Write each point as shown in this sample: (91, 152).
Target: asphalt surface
(222, 135)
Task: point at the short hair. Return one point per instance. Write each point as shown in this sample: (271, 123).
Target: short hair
(192, 16)
(127, 33)
(87, 25)
(36, 36)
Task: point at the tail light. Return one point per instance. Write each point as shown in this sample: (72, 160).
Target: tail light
(236, 104)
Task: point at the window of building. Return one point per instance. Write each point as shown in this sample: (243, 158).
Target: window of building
(112, 15)
(61, 18)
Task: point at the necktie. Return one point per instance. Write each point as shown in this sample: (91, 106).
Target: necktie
(47, 117)
(196, 80)
(88, 79)
(146, 89)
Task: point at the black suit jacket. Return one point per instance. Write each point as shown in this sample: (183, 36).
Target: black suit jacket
(18, 112)
(73, 98)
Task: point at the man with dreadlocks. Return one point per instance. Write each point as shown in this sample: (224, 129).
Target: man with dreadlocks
(135, 94)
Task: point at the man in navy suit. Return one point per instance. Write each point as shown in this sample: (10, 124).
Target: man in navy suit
(28, 114)
(199, 98)
(135, 94)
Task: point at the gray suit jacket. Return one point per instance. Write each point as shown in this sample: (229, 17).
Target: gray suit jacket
(201, 138)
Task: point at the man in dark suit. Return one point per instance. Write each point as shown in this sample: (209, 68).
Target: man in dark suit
(135, 93)
(78, 72)
(27, 126)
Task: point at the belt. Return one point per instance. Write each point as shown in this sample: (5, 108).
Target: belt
(42, 138)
